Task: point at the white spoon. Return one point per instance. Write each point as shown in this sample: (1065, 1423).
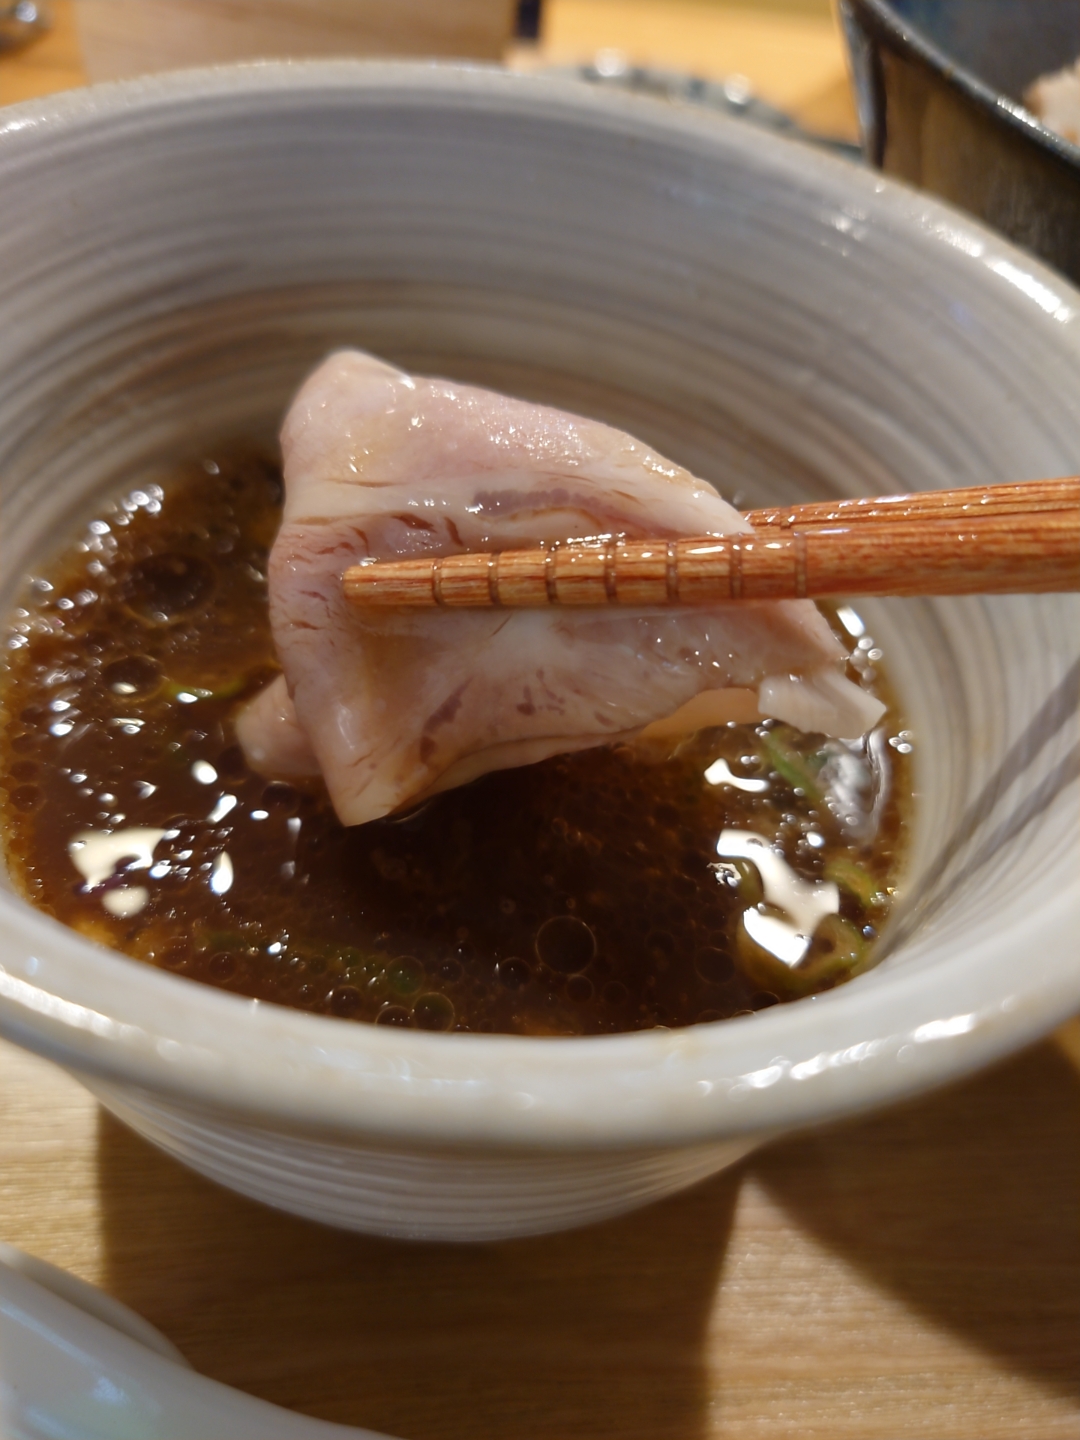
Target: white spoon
(77, 1365)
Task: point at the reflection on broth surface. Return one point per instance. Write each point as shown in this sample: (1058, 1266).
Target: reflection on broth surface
(613, 889)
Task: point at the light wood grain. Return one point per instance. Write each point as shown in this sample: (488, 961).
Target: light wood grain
(914, 1276)
(121, 38)
(789, 50)
(47, 65)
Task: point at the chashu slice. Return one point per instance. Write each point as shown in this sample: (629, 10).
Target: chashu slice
(394, 705)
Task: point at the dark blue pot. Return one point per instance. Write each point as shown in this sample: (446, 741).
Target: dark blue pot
(939, 86)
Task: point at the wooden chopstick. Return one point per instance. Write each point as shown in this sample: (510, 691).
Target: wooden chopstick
(1001, 539)
(1025, 497)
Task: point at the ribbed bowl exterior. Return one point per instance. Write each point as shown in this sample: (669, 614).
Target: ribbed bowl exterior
(174, 256)
(411, 1194)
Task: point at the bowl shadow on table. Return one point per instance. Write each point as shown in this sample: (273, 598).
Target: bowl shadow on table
(966, 1205)
(597, 1332)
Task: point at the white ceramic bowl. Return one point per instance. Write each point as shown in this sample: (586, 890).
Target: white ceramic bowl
(175, 253)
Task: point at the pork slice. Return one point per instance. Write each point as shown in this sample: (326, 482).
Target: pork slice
(394, 705)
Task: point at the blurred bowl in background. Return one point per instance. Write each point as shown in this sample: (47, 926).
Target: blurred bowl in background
(22, 21)
(939, 87)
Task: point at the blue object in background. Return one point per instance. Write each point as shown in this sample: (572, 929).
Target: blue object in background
(527, 26)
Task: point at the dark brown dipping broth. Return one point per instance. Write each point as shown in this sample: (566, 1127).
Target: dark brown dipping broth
(579, 896)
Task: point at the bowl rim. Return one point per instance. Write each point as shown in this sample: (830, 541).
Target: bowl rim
(891, 1035)
(906, 37)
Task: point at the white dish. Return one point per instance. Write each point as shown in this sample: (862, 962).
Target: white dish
(177, 252)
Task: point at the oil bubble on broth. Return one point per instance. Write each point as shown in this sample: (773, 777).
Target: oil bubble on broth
(614, 889)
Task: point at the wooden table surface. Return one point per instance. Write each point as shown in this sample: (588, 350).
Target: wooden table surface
(916, 1274)
(912, 1275)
